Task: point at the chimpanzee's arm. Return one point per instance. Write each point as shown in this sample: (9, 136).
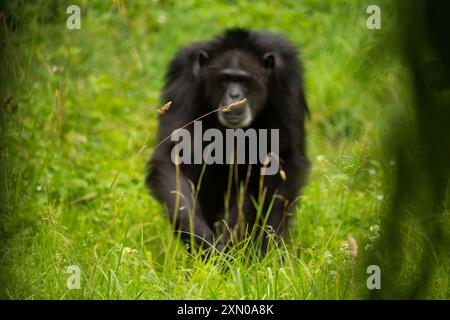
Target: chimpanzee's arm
(162, 180)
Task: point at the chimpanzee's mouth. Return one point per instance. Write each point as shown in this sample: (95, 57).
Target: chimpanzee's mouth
(234, 120)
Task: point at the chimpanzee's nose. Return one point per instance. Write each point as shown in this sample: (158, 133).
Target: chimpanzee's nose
(234, 94)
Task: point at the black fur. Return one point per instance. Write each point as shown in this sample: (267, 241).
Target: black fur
(285, 109)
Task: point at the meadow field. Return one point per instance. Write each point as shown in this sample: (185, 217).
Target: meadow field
(79, 124)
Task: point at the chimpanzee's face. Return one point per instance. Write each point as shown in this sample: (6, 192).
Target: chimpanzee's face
(232, 76)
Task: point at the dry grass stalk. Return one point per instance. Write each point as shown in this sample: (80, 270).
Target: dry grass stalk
(226, 108)
(353, 246)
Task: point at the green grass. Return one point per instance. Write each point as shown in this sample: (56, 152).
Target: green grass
(82, 122)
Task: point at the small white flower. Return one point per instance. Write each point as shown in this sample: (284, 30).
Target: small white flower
(162, 19)
(333, 274)
(372, 171)
(270, 232)
(380, 197)
(38, 188)
(374, 233)
(345, 248)
(129, 250)
(328, 257)
(320, 158)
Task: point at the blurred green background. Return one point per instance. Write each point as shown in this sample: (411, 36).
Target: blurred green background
(79, 120)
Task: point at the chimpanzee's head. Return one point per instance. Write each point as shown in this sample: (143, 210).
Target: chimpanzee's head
(233, 75)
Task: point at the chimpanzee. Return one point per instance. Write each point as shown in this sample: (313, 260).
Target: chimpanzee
(208, 202)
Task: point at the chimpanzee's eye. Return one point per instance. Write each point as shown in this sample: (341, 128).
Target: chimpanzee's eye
(224, 78)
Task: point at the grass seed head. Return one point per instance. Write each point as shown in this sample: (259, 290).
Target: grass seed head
(233, 105)
(283, 175)
(164, 108)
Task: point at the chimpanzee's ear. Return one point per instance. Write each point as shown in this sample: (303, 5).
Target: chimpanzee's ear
(202, 58)
(269, 60)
